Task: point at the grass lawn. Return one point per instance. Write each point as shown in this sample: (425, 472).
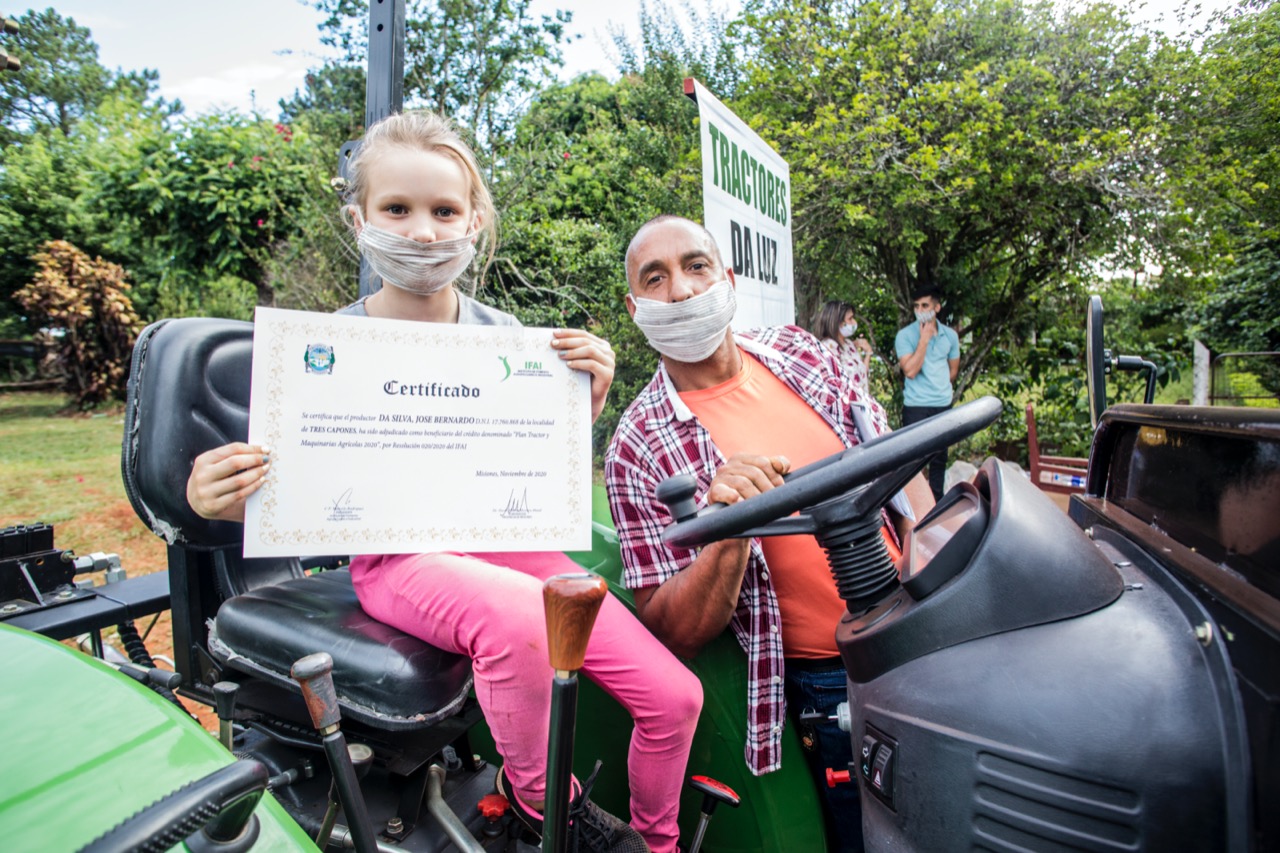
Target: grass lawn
(63, 468)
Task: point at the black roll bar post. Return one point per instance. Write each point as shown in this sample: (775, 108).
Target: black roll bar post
(383, 93)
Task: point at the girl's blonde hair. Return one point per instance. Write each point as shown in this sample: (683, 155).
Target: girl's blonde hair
(427, 131)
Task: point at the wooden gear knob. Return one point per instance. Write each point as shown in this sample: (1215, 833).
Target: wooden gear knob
(572, 602)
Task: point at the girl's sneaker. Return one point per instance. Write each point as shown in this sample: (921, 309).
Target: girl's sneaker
(591, 828)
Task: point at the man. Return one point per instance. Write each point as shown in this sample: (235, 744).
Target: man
(738, 412)
(929, 354)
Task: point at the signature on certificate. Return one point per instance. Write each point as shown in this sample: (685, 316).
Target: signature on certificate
(341, 508)
(518, 506)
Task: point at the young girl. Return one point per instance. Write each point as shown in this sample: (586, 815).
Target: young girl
(419, 207)
(835, 327)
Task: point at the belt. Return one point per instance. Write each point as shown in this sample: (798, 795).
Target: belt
(815, 664)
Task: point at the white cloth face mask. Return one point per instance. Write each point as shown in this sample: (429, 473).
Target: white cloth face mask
(422, 268)
(926, 316)
(847, 330)
(688, 331)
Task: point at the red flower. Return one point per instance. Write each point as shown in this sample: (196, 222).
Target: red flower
(257, 159)
(231, 164)
(262, 222)
(566, 155)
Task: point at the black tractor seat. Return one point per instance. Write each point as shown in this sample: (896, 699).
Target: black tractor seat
(384, 677)
(188, 393)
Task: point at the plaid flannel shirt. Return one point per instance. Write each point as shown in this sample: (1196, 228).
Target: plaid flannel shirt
(659, 437)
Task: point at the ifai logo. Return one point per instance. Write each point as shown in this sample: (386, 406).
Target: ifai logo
(506, 367)
(532, 369)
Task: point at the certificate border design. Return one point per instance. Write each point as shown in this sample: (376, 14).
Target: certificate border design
(277, 339)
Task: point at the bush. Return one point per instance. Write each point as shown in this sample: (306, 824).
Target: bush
(82, 307)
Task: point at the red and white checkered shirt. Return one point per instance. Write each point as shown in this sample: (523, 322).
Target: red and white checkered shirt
(659, 437)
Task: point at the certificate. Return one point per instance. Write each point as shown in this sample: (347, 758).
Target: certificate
(393, 436)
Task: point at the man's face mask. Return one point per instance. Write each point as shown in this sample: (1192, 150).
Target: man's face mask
(422, 268)
(926, 316)
(688, 331)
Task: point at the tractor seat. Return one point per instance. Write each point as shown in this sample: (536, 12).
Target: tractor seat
(385, 678)
(188, 393)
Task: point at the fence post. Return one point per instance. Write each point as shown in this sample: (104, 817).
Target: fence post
(1200, 374)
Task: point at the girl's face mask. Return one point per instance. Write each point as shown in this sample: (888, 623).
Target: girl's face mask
(688, 331)
(847, 330)
(422, 268)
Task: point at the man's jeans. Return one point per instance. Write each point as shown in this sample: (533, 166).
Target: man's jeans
(822, 690)
(938, 461)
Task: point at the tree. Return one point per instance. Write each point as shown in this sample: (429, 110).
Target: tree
(60, 80)
(1221, 155)
(475, 60)
(331, 104)
(988, 147)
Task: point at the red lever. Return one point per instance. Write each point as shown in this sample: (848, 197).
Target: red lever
(836, 777)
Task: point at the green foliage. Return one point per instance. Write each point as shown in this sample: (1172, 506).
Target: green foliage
(988, 147)
(39, 182)
(83, 307)
(475, 60)
(213, 200)
(1221, 115)
(331, 105)
(1006, 150)
(1243, 312)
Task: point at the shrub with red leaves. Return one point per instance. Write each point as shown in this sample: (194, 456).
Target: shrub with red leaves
(83, 308)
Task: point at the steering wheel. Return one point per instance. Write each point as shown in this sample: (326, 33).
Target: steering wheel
(883, 464)
(1096, 361)
(209, 813)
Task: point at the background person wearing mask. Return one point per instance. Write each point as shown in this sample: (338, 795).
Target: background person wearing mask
(835, 327)
(929, 354)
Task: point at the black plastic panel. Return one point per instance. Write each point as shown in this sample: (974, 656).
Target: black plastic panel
(1209, 487)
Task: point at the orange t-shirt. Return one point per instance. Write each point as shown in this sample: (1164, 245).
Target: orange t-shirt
(755, 412)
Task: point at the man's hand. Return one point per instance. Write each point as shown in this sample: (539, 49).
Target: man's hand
(745, 475)
(584, 351)
(694, 606)
(223, 478)
(927, 331)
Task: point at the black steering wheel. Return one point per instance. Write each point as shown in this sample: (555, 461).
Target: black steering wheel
(881, 466)
(212, 813)
(1096, 358)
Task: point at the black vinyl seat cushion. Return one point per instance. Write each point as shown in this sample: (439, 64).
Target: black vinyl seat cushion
(384, 678)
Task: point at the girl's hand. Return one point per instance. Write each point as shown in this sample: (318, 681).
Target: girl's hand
(584, 351)
(863, 346)
(223, 478)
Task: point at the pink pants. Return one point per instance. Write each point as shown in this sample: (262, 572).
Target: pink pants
(489, 607)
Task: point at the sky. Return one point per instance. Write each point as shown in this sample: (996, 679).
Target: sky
(235, 53)
(240, 53)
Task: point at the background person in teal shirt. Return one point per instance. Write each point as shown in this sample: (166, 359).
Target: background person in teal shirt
(929, 354)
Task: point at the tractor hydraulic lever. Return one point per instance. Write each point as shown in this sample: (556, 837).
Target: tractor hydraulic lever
(315, 675)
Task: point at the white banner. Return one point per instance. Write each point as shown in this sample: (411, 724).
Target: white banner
(746, 199)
